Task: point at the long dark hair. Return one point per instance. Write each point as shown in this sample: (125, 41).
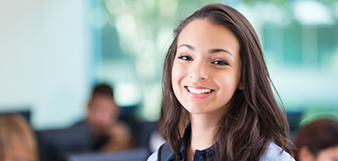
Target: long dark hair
(317, 136)
(254, 119)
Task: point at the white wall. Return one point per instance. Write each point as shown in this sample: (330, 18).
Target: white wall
(44, 59)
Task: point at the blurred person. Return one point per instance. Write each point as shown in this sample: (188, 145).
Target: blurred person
(109, 133)
(17, 140)
(317, 141)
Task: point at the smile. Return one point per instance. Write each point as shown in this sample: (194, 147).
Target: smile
(198, 91)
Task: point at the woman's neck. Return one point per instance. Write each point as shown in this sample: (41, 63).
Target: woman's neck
(202, 133)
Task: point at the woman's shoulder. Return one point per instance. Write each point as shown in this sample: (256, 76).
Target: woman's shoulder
(153, 157)
(274, 152)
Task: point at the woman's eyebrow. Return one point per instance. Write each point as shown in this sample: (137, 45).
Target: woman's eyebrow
(221, 50)
(211, 51)
(188, 46)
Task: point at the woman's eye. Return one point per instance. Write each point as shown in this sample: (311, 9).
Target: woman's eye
(184, 57)
(220, 62)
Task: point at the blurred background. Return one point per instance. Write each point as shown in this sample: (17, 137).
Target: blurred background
(52, 53)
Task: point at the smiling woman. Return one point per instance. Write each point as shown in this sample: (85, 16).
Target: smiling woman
(206, 68)
(217, 85)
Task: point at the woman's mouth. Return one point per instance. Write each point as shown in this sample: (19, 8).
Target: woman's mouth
(199, 91)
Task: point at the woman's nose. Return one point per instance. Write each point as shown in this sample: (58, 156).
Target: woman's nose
(199, 71)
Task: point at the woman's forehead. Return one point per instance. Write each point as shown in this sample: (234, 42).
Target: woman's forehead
(202, 33)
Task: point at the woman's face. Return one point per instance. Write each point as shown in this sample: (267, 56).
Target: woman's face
(207, 67)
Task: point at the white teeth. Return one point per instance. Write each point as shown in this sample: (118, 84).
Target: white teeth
(199, 91)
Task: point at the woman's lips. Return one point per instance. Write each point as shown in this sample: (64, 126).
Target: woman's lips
(198, 92)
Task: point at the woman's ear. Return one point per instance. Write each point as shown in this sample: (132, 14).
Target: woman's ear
(241, 85)
(304, 154)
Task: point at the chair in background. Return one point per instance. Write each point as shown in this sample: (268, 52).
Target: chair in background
(55, 145)
(143, 132)
(127, 155)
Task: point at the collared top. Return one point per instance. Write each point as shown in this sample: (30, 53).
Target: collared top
(200, 155)
(273, 152)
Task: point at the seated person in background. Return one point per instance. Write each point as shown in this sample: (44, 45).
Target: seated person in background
(317, 141)
(109, 132)
(17, 140)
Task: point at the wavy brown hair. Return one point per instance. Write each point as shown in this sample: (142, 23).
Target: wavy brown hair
(255, 118)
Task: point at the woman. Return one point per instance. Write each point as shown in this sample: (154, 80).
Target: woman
(217, 84)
